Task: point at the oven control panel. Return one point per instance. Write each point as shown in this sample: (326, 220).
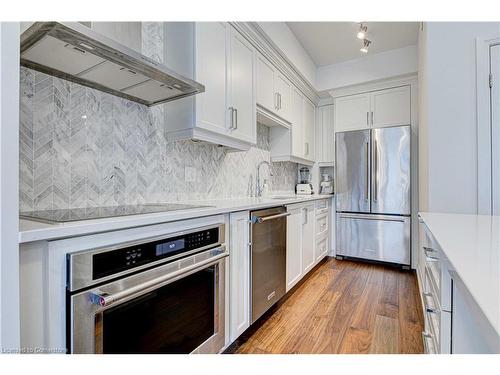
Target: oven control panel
(110, 262)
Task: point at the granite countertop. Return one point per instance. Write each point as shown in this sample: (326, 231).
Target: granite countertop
(30, 231)
(471, 244)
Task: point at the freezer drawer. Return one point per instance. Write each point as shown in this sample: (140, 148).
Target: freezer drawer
(377, 237)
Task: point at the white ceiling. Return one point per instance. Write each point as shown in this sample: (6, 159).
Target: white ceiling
(333, 42)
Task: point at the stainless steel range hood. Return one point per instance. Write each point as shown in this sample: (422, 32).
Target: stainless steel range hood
(74, 52)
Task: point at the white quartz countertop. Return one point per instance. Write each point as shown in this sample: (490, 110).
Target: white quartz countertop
(471, 244)
(30, 231)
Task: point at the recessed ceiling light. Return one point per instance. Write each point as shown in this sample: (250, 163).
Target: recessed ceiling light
(362, 31)
(366, 43)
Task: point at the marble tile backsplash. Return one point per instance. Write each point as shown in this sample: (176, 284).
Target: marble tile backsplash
(80, 147)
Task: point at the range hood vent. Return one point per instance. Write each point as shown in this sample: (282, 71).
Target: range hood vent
(74, 52)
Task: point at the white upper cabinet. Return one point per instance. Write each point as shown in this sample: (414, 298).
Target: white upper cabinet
(265, 84)
(273, 93)
(325, 137)
(297, 129)
(283, 92)
(212, 112)
(224, 62)
(389, 107)
(242, 88)
(352, 112)
(308, 129)
(296, 143)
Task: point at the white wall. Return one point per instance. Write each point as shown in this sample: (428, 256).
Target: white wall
(372, 67)
(9, 185)
(448, 131)
(286, 41)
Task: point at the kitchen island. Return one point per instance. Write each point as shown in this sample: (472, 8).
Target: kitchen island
(468, 250)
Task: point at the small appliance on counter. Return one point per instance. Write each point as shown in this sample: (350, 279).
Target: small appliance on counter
(326, 185)
(304, 187)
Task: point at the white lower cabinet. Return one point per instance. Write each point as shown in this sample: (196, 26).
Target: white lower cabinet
(239, 274)
(293, 246)
(304, 247)
(435, 285)
(308, 244)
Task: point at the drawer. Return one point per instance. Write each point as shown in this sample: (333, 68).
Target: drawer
(321, 206)
(433, 264)
(432, 310)
(321, 247)
(321, 224)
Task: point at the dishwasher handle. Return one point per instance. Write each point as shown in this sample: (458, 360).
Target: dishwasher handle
(261, 219)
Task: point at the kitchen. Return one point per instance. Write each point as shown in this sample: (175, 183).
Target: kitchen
(244, 189)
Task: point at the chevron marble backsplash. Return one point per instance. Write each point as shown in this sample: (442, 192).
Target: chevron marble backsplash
(80, 147)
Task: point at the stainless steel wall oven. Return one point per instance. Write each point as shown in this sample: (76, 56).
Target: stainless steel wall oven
(159, 295)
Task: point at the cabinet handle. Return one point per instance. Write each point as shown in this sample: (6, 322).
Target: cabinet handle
(236, 121)
(428, 251)
(426, 305)
(279, 97)
(276, 101)
(305, 216)
(372, 118)
(306, 145)
(367, 114)
(231, 121)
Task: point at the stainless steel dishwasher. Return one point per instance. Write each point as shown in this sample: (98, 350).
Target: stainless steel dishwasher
(268, 258)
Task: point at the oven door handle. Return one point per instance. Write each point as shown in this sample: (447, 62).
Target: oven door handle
(103, 299)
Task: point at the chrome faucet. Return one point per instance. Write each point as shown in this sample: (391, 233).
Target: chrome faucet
(258, 189)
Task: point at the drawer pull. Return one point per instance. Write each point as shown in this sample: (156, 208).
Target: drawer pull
(430, 252)
(426, 306)
(426, 336)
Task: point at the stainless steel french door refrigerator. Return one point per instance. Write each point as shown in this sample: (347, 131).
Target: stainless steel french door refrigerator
(373, 194)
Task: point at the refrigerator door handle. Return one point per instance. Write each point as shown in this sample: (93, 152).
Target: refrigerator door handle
(367, 190)
(375, 170)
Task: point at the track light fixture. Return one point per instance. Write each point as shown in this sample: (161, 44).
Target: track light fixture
(362, 31)
(366, 43)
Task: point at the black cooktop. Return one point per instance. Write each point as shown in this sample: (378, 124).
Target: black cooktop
(88, 213)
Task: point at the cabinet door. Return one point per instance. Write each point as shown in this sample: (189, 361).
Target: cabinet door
(283, 89)
(297, 124)
(265, 84)
(308, 128)
(293, 246)
(308, 244)
(239, 266)
(242, 88)
(391, 107)
(352, 112)
(211, 67)
(325, 137)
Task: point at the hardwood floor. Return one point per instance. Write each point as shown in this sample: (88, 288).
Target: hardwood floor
(342, 307)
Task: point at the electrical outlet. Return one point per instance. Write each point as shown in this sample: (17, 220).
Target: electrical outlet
(190, 174)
